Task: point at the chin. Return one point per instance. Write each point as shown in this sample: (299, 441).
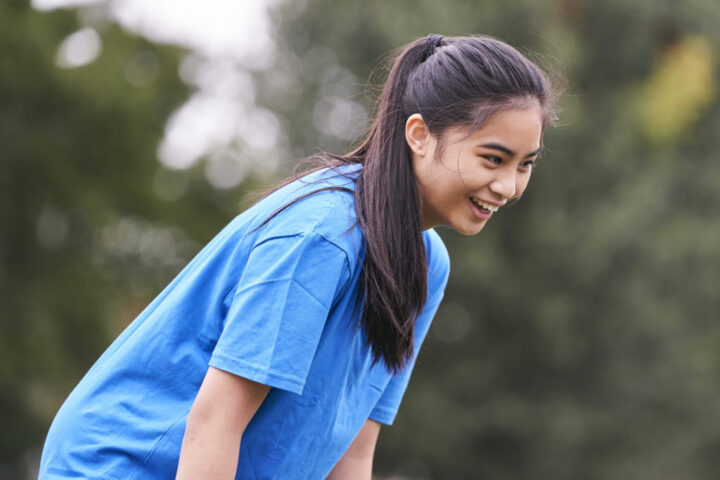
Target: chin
(469, 230)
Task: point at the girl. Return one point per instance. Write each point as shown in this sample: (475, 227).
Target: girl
(281, 348)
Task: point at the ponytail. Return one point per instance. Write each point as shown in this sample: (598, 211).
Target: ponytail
(388, 204)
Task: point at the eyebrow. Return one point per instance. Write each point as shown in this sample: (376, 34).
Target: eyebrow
(504, 149)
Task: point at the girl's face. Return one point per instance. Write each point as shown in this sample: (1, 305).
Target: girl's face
(474, 175)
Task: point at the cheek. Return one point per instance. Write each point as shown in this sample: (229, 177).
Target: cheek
(522, 183)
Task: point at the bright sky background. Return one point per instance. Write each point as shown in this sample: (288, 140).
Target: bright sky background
(227, 39)
(229, 28)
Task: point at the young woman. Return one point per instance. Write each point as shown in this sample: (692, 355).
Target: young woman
(281, 348)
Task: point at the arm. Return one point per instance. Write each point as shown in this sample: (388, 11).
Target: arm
(356, 464)
(222, 409)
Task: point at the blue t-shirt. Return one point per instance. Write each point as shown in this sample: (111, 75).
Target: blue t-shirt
(277, 305)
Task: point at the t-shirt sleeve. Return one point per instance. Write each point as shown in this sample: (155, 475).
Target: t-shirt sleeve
(387, 406)
(279, 309)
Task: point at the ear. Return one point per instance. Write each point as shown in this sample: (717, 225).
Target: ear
(417, 134)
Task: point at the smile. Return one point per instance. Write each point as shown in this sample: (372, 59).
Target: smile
(485, 205)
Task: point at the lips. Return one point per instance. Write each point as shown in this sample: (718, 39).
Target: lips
(479, 211)
(488, 207)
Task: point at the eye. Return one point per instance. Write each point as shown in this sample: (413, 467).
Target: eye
(528, 164)
(493, 159)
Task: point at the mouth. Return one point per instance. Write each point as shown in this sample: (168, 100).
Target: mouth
(484, 206)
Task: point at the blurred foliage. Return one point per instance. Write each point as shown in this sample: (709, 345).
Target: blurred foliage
(579, 336)
(678, 91)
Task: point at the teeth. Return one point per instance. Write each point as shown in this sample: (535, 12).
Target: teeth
(480, 203)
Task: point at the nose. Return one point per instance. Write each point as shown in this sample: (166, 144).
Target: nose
(505, 184)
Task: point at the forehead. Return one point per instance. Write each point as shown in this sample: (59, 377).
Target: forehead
(519, 129)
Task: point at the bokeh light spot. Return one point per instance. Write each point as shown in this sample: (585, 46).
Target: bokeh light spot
(79, 48)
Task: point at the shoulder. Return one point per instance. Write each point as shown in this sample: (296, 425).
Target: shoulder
(438, 260)
(320, 204)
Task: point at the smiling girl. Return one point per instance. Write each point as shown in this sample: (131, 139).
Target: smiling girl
(290, 338)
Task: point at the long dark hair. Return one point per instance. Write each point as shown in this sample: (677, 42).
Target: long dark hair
(450, 81)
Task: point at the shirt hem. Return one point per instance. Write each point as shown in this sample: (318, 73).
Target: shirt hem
(258, 374)
(383, 415)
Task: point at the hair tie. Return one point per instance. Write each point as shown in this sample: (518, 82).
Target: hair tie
(431, 43)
